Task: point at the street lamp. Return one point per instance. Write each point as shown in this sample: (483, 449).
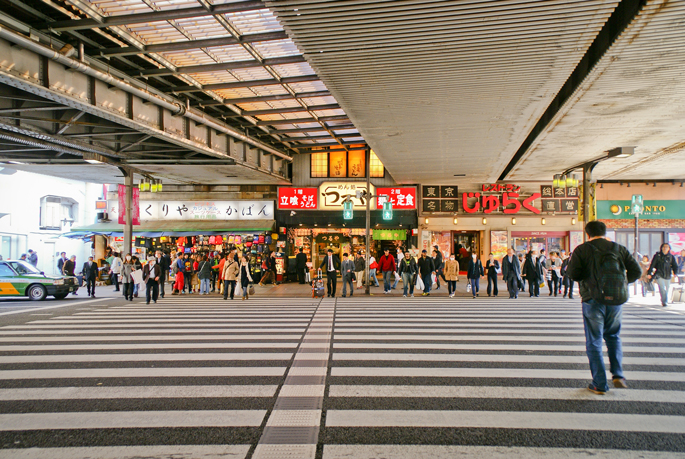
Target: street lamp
(588, 167)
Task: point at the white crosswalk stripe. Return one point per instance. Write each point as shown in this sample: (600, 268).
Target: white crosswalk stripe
(396, 378)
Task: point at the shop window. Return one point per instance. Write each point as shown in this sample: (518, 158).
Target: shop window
(319, 167)
(376, 166)
(345, 165)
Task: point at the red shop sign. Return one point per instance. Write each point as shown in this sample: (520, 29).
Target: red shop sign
(298, 198)
(401, 198)
(509, 203)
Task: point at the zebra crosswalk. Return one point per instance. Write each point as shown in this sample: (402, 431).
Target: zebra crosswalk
(336, 378)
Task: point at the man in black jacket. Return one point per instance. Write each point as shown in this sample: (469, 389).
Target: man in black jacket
(152, 274)
(301, 265)
(164, 263)
(331, 266)
(601, 321)
(426, 269)
(664, 266)
(90, 275)
(511, 273)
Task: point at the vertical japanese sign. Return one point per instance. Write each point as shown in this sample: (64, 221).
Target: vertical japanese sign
(135, 205)
(297, 198)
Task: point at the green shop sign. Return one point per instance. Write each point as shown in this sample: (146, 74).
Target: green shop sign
(654, 210)
(389, 235)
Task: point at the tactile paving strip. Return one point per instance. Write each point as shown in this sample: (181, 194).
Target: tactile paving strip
(302, 391)
(294, 418)
(299, 403)
(284, 451)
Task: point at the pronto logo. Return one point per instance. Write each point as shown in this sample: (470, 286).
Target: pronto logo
(615, 209)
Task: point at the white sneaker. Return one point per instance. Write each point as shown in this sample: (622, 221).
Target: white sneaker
(452, 295)
(404, 296)
(412, 295)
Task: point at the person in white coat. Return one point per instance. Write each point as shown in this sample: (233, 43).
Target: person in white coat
(115, 270)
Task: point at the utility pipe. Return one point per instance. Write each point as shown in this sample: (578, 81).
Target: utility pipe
(175, 107)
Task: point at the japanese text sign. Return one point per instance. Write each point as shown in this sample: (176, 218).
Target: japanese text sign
(135, 209)
(298, 198)
(401, 198)
(332, 195)
(204, 210)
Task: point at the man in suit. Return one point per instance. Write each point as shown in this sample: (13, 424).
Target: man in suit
(347, 275)
(301, 265)
(60, 263)
(511, 273)
(90, 275)
(152, 274)
(164, 263)
(331, 265)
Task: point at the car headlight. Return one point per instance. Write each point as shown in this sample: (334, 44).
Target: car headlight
(58, 282)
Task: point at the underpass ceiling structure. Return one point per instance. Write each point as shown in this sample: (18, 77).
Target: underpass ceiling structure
(502, 90)
(228, 63)
(634, 97)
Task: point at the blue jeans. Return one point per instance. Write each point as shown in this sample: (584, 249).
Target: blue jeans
(407, 283)
(204, 286)
(475, 285)
(387, 279)
(372, 275)
(427, 282)
(603, 322)
(664, 285)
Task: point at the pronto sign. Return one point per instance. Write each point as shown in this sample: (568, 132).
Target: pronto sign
(655, 210)
(332, 195)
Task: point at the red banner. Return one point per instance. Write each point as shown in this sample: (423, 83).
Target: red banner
(135, 205)
(298, 198)
(401, 198)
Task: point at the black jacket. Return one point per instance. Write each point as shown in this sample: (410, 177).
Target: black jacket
(164, 263)
(511, 270)
(359, 264)
(68, 268)
(408, 266)
(663, 266)
(532, 271)
(580, 267)
(151, 274)
(301, 261)
(60, 263)
(426, 266)
(439, 263)
(324, 264)
(492, 267)
(475, 269)
(90, 272)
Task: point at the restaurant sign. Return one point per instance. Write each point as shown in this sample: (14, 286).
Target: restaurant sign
(298, 198)
(202, 210)
(655, 210)
(401, 198)
(332, 195)
(492, 197)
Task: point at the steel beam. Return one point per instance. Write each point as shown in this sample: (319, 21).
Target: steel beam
(192, 44)
(331, 144)
(157, 16)
(256, 99)
(243, 84)
(313, 129)
(223, 66)
(276, 111)
(305, 120)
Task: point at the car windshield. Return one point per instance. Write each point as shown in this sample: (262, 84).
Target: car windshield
(21, 267)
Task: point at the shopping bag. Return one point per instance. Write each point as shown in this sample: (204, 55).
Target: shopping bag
(419, 283)
(542, 285)
(468, 287)
(137, 276)
(250, 290)
(434, 278)
(397, 277)
(236, 290)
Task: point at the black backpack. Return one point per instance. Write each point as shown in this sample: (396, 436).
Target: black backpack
(608, 283)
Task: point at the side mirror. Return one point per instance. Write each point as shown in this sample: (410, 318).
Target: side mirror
(42, 273)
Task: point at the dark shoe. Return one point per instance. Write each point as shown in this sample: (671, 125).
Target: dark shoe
(136, 295)
(92, 296)
(343, 296)
(620, 383)
(594, 390)
(155, 301)
(570, 297)
(147, 302)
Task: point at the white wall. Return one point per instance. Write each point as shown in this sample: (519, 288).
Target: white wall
(20, 196)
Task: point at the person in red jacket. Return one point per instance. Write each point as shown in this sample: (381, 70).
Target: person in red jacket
(387, 266)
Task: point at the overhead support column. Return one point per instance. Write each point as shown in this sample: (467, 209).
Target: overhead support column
(128, 222)
(368, 218)
(587, 205)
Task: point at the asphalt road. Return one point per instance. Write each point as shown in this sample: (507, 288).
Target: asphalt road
(380, 377)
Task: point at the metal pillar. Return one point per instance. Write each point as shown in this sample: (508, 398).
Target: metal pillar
(587, 179)
(368, 218)
(128, 223)
(636, 245)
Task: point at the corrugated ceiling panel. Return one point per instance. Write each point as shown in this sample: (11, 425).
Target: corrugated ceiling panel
(258, 21)
(293, 70)
(276, 48)
(433, 84)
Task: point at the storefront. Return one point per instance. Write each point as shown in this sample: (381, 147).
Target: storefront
(491, 218)
(313, 219)
(196, 228)
(663, 219)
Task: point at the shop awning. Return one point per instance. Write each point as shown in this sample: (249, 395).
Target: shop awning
(174, 228)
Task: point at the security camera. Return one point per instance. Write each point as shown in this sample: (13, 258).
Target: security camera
(293, 213)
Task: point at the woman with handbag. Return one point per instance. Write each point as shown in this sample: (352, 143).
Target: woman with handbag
(127, 269)
(451, 273)
(229, 276)
(373, 266)
(647, 285)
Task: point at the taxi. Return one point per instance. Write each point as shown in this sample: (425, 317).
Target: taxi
(19, 278)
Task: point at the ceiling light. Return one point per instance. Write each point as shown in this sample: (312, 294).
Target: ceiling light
(485, 221)
(544, 222)
(455, 221)
(620, 152)
(573, 220)
(426, 221)
(513, 221)
(17, 162)
(94, 158)
(460, 175)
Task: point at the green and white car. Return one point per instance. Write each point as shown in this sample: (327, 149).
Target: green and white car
(19, 278)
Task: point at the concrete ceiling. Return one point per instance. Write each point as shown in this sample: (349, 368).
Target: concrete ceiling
(439, 88)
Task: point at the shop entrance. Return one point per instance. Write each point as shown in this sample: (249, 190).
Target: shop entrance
(465, 243)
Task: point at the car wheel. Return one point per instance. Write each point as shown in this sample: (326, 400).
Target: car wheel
(61, 296)
(37, 292)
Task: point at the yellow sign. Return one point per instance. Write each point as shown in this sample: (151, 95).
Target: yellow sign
(332, 195)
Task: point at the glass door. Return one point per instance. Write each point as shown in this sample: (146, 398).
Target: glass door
(465, 244)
